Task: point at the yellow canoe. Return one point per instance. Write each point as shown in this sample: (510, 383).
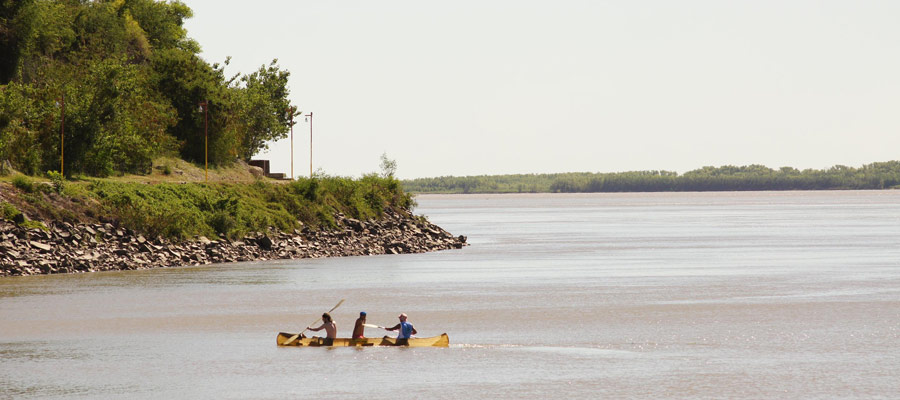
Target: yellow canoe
(435, 341)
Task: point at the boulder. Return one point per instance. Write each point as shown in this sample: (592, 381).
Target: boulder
(264, 243)
(43, 247)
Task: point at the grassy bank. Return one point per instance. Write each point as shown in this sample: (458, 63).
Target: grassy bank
(215, 210)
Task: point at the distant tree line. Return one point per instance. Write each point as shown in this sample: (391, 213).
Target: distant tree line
(880, 175)
(130, 83)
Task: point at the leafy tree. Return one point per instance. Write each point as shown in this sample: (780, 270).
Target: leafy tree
(263, 103)
(388, 166)
(132, 81)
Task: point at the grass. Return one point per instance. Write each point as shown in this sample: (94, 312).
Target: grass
(218, 210)
(175, 202)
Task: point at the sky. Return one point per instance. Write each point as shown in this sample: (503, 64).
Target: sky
(491, 87)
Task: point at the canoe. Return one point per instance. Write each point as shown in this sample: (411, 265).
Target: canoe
(435, 341)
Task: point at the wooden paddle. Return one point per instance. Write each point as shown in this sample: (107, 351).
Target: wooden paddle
(381, 327)
(293, 338)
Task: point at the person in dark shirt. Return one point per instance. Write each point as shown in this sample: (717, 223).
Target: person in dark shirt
(359, 329)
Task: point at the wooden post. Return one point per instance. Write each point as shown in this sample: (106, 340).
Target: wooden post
(62, 137)
(205, 106)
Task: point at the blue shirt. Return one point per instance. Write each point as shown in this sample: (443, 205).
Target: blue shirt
(406, 329)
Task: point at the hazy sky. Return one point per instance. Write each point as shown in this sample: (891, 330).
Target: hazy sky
(493, 87)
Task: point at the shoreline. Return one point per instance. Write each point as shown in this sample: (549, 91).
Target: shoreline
(79, 248)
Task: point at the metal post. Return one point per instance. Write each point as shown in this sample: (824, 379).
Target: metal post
(291, 110)
(310, 115)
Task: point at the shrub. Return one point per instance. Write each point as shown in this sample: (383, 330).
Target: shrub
(9, 212)
(306, 187)
(58, 181)
(23, 183)
(223, 223)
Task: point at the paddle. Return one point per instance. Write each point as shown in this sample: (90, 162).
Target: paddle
(293, 338)
(379, 327)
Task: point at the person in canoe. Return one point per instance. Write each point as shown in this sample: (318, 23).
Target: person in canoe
(359, 329)
(330, 329)
(406, 330)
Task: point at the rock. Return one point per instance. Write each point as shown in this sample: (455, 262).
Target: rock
(71, 252)
(43, 247)
(264, 243)
(354, 224)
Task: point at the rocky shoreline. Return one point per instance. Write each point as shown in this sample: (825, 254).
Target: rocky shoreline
(68, 248)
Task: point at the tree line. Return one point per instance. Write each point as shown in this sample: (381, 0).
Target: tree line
(880, 175)
(109, 85)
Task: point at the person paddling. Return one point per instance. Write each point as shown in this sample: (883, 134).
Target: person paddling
(406, 330)
(359, 329)
(330, 329)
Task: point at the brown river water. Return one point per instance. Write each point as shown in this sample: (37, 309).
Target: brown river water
(656, 295)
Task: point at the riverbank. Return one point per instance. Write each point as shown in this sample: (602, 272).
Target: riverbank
(74, 248)
(126, 223)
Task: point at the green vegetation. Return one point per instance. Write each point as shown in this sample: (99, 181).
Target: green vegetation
(124, 83)
(9, 212)
(882, 175)
(181, 211)
(23, 183)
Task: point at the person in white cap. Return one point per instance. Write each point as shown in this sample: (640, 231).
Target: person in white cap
(406, 329)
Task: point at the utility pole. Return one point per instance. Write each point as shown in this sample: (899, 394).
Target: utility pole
(309, 118)
(204, 106)
(62, 136)
(290, 112)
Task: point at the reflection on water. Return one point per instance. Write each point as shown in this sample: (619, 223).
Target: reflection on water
(689, 295)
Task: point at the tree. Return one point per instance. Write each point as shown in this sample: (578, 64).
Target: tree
(388, 166)
(263, 101)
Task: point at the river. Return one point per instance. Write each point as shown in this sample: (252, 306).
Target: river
(651, 295)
